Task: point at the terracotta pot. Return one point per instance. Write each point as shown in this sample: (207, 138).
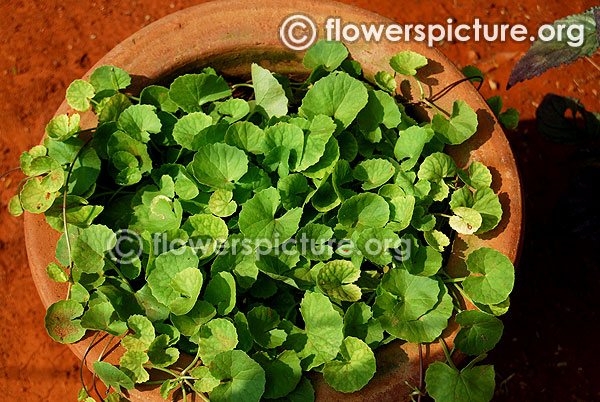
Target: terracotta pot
(229, 35)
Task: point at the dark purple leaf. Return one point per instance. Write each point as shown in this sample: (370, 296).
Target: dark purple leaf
(543, 56)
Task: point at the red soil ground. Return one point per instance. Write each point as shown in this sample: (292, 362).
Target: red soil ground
(549, 351)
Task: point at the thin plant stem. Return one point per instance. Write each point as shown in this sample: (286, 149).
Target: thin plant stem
(475, 361)
(115, 194)
(100, 359)
(454, 280)
(448, 357)
(450, 87)
(420, 372)
(9, 171)
(164, 370)
(192, 364)
(242, 84)
(87, 350)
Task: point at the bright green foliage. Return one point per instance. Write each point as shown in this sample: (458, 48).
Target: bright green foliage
(373, 173)
(219, 165)
(408, 62)
(110, 79)
(465, 220)
(273, 231)
(492, 276)
(56, 272)
(479, 332)
(385, 81)
(79, 94)
(323, 329)
(447, 384)
(257, 218)
(338, 96)
(241, 378)
(459, 128)
(63, 127)
(191, 91)
(270, 96)
(355, 368)
(189, 127)
(112, 376)
(62, 321)
(336, 278)
(326, 54)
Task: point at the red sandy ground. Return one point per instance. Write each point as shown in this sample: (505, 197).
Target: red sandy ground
(550, 349)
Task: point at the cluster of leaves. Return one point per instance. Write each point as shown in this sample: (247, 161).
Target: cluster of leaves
(336, 160)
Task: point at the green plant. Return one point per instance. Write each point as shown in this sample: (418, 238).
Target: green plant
(191, 172)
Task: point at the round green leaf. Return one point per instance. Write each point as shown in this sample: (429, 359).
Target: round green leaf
(247, 136)
(79, 94)
(189, 127)
(283, 373)
(233, 109)
(407, 296)
(407, 62)
(138, 121)
(459, 128)
(446, 384)
(221, 203)
(479, 176)
(326, 54)
(14, 206)
(375, 245)
(219, 165)
(465, 220)
(427, 327)
(355, 368)
(218, 335)
(479, 332)
(35, 198)
(492, 276)
(336, 279)
(62, 321)
(63, 127)
(363, 211)
(373, 173)
(257, 218)
(436, 167)
(109, 78)
(191, 91)
(242, 379)
(338, 96)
